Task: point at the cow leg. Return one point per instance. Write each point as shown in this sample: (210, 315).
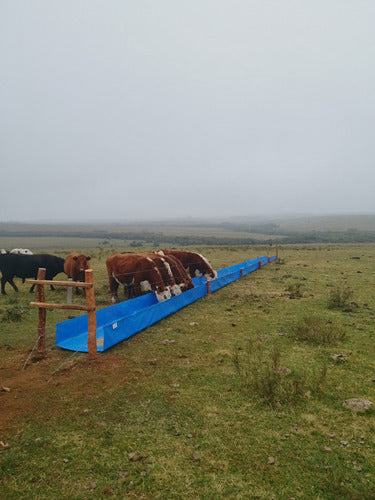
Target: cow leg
(83, 291)
(3, 281)
(129, 289)
(50, 276)
(33, 286)
(11, 282)
(137, 289)
(113, 287)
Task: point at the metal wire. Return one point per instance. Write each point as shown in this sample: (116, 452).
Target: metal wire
(68, 359)
(32, 350)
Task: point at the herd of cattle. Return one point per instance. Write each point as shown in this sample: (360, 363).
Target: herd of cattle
(165, 272)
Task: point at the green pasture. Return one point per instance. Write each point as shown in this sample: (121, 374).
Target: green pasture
(239, 395)
(232, 231)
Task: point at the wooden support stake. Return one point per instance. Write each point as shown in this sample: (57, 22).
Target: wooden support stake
(208, 288)
(277, 252)
(42, 313)
(90, 302)
(260, 264)
(69, 293)
(241, 272)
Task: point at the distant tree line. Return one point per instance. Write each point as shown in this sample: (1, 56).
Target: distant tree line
(277, 235)
(349, 236)
(138, 238)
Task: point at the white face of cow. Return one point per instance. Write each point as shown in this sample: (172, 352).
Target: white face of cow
(176, 290)
(145, 286)
(161, 296)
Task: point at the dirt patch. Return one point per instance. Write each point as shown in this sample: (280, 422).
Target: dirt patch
(22, 390)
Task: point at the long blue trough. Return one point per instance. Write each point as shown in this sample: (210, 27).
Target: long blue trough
(121, 321)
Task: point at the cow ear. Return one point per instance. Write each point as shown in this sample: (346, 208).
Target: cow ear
(75, 257)
(88, 258)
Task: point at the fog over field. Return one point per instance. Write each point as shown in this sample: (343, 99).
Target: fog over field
(129, 111)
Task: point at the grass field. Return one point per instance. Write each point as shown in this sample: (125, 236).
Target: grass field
(236, 230)
(239, 395)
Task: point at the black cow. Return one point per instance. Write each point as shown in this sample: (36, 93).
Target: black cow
(26, 266)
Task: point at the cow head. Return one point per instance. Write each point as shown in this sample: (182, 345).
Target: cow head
(162, 295)
(208, 272)
(211, 275)
(176, 290)
(188, 284)
(81, 264)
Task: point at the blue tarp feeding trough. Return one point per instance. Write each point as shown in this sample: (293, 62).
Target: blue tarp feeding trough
(121, 321)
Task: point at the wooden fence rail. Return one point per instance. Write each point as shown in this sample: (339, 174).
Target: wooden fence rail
(42, 305)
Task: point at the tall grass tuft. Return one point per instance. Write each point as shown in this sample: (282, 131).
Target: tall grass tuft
(317, 330)
(263, 375)
(295, 290)
(341, 299)
(14, 313)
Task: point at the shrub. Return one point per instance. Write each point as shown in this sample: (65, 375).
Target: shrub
(280, 261)
(295, 291)
(339, 299)
(14, 314)
(317, 330)
(263, 375)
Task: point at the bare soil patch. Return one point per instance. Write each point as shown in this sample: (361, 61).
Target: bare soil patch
(22, 390)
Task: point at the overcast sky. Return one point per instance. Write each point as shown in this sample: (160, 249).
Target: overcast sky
(122, 110)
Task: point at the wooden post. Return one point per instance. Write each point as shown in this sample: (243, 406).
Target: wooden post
(260, 264)
(42, 313)
(69, 293)
(241, 272)
(208, 288)
(91, 314)
(277, 252)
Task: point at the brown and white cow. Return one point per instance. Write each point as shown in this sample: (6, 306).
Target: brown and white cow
(135, 271)
(75, 266)
(180, 274)
(163, 264)
(195, 263)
